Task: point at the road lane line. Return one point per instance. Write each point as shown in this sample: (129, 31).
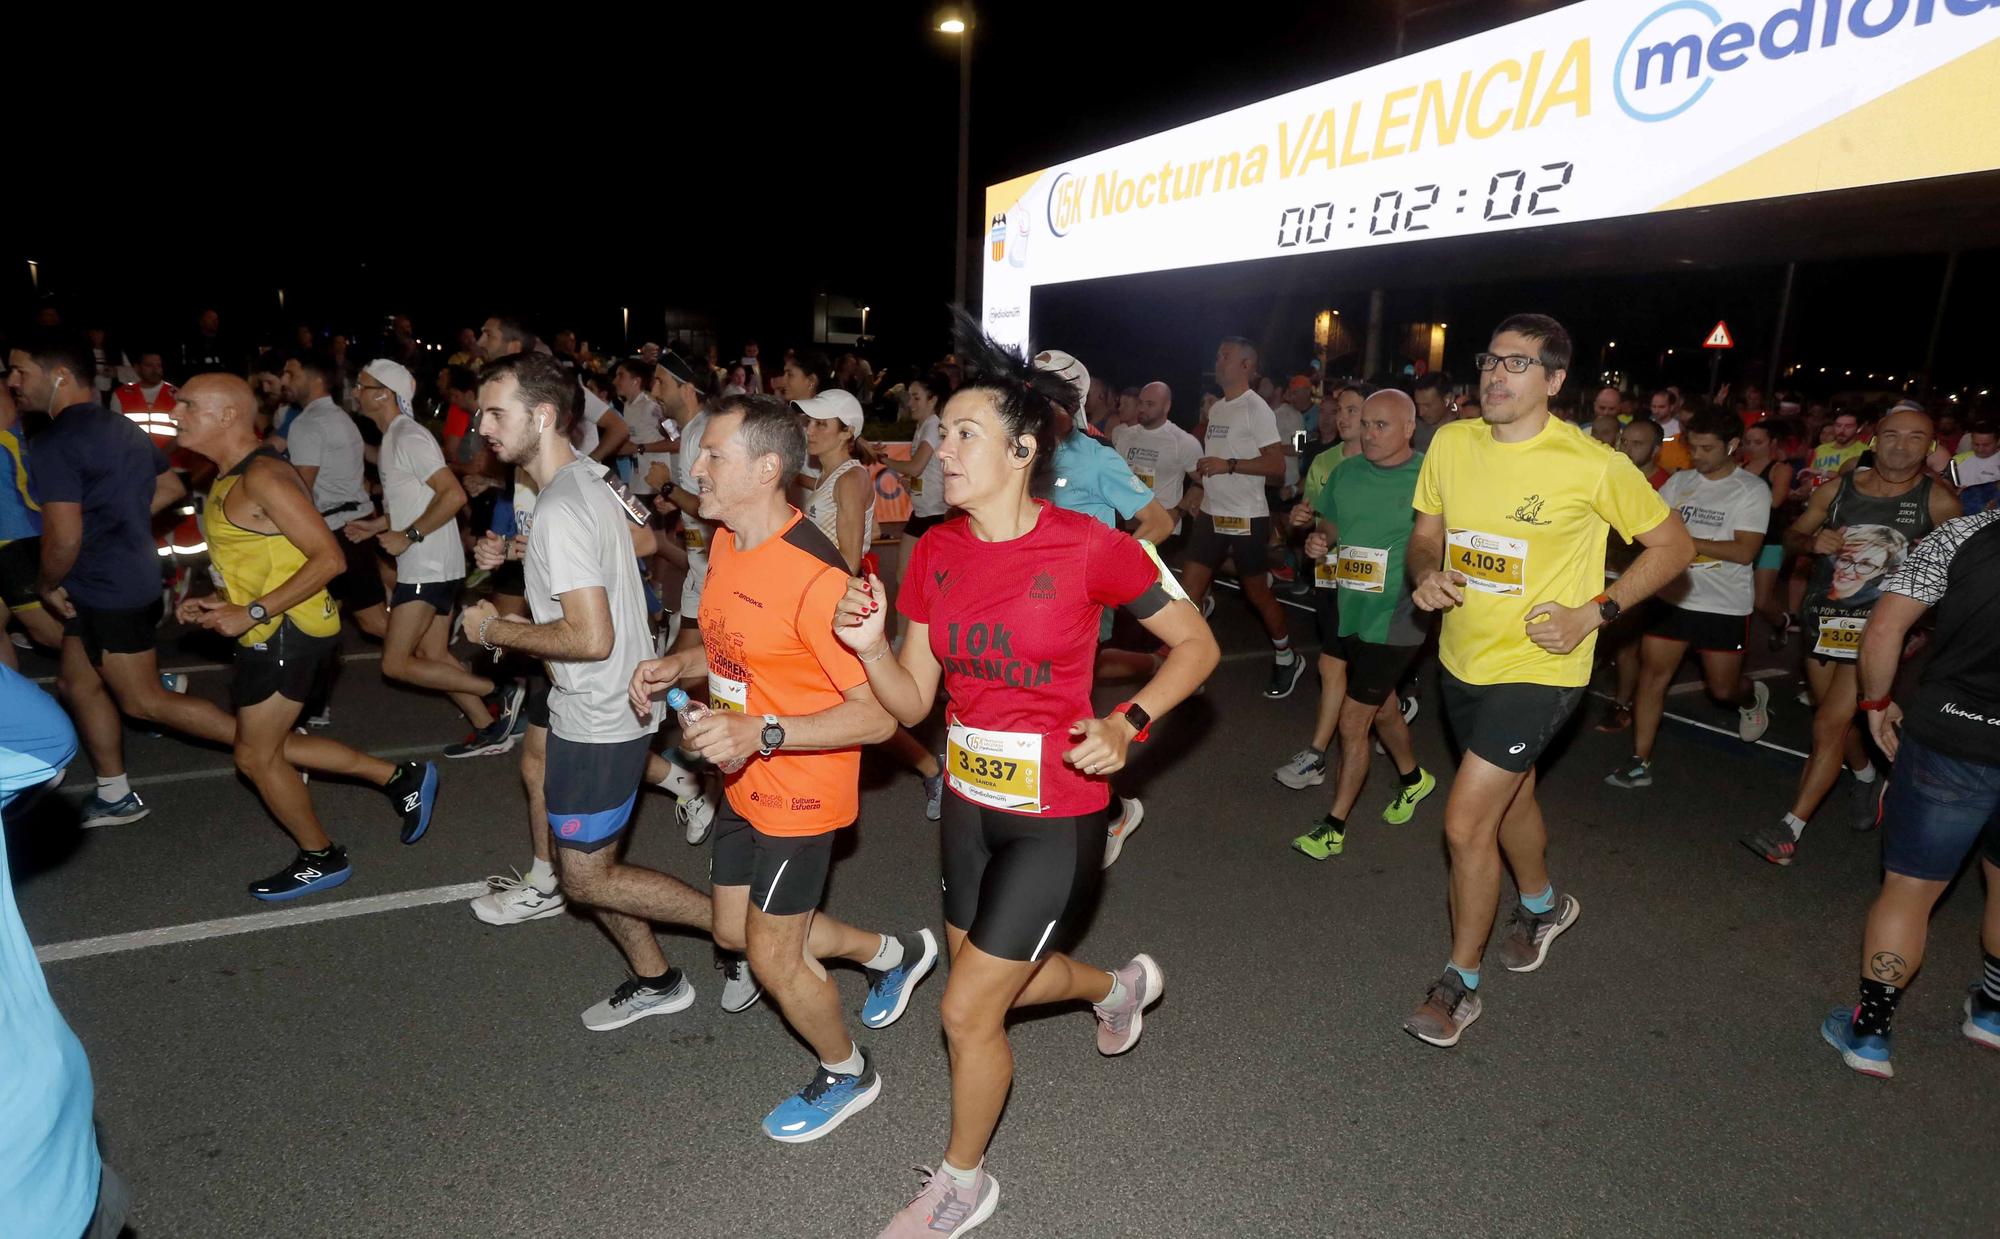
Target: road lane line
(256, 922)
(359, 656)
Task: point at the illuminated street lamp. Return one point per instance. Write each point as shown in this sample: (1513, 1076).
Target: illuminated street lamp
(957, 21)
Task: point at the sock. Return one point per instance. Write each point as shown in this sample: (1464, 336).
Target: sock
(1413, 776)
(396, 779)
(1116, 996)
(325, 853)
(665, 980)
(542, 876)
(1338, 825)
(1866, 774)
(1281, 649)
(889, 956)
(1989, 988)
(1471, 978)
(849, 1066)
(967, 1179)
(1541, 901)
(114, 788)
(1877, 1008)
(679, 783)
(1795, 824)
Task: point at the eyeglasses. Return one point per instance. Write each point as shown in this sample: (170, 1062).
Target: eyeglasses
(1515, 363)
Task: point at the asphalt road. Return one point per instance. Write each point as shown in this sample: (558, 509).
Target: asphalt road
(414, 1072)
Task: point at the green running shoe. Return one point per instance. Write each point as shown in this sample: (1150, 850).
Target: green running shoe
(1322, 842)
(1405, 803)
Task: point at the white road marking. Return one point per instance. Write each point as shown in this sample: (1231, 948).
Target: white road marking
(360, 656)
(1695, 686)
(256, 922)
(216, 772)
(1720, 731)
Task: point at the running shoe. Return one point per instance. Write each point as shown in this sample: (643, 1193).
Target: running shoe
(1407, 798)
(1774, 843)
(1322, 841)
(1982, 1020)
(1130, 814)
(697, 814)
(942, 1209)
(512, 901)
(414, 790)
(174, 681)
(102, 812)
(1306, 769)
(497, 737)
(1207, 605)
(739, 985)
(1283, 574)
(1118, 1027)
(21, 640)
(1634, 773)
(1524, 944)
(635, 1000)
(1865, 1053)
(828, 1100)
(1448, 1009)
(1752, 721)
(1285, 678)
(1867, 803)
(934, 796)
(889, 991)
(1781, 634)
(1617, 718)
(513, 698)
(306, 875)
(323, 719)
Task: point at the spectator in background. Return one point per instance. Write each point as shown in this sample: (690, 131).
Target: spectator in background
(806, 376)
(205, 350)
(274, 413)
(1605, 404)
(464, 450)
(1468, 407)
(1605, 429)
(1976, 470)
(736, 382)
(468, 349)
(1432, 394)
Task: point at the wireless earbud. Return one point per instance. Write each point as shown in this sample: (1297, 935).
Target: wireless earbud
(1023, 450)
(541, 422)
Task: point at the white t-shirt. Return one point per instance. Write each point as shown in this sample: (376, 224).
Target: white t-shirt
(407, 459)
(695, 532)
(1238, 429)
(1717, 512)
(1161, 457)
(642, 418)
(324, 437)
(927, 489)
(1291, 424)
(823, 507)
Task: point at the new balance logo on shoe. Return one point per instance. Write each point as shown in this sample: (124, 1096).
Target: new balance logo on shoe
(307, 874)
(411, 801)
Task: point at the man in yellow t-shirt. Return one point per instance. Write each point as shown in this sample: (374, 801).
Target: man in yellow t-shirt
(1512, 514)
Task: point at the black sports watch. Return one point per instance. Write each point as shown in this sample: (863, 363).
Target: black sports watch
(414, 534)
(1608, 608)
(258, 614)
(773, 736)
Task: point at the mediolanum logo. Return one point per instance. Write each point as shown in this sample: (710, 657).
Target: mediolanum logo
(1676, 53)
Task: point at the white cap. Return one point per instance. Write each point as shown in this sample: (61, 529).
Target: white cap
(1055, 361)
(395, 377)
(836, 403)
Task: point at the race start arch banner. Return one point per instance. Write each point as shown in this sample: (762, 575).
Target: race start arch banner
(1603, 109)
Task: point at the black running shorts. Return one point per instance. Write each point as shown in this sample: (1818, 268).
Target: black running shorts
(1019, 886)
(590, 789)
(20, 568)
(440, 596)
(1251, 551)
(114, 632)
(1374, 670)
(288, 663)
(786, 874)
(1508, 725)
(360, 586)
(1703, 630)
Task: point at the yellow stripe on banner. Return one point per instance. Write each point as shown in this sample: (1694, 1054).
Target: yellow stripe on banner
(1941, 124)
(1001, 198)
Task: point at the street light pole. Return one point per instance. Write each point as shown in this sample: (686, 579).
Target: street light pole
(964, 154)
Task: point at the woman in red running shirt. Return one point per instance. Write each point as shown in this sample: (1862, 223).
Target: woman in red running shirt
(1003, 603)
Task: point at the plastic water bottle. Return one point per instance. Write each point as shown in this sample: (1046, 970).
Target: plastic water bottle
(689, 712)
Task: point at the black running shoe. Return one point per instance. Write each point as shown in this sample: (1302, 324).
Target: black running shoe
(414, 792)
(1285, 677)
(306, 875)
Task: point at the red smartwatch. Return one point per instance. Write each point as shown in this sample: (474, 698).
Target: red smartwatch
(1135, 714)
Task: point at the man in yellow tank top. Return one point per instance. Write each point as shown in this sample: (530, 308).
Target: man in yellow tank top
(276, 556)
(1512, 514)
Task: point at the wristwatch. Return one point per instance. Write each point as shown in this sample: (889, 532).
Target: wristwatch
(773, 736)
(258, 614)
(1135, 714)
(1607, 608)
(414, 534)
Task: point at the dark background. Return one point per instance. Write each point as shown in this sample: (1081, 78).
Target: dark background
(716, 173)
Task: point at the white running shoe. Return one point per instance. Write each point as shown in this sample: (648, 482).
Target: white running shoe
(697, 814)
(1123, 829)
(1754, 720)
(1306, 769)
(515, 900)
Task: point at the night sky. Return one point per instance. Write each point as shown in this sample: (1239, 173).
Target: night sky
(730, 167)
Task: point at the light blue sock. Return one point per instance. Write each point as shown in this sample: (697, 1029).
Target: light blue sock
(1542, 901)
(1471, 979)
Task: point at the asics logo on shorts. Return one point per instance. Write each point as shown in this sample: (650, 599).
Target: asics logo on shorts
(1517, 748)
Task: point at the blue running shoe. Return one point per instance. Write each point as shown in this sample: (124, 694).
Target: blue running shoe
(414, 791)
(889, 992)
(102, 812)
(824, 1104)
(1982, 1022)
(306, 875)
(1865, 1054)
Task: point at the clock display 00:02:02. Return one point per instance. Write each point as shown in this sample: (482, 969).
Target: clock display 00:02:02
(1395, 211)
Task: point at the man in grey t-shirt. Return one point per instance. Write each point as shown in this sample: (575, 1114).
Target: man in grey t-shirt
(589, 627)
(325, 446)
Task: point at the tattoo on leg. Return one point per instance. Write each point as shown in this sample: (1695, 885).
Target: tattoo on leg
(1888, 966)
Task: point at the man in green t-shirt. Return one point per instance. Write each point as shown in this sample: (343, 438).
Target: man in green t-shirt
(1365, 518)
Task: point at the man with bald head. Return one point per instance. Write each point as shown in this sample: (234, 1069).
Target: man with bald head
(1363, 531)
(1605, 404)
(276, 556)
(1160, 454)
